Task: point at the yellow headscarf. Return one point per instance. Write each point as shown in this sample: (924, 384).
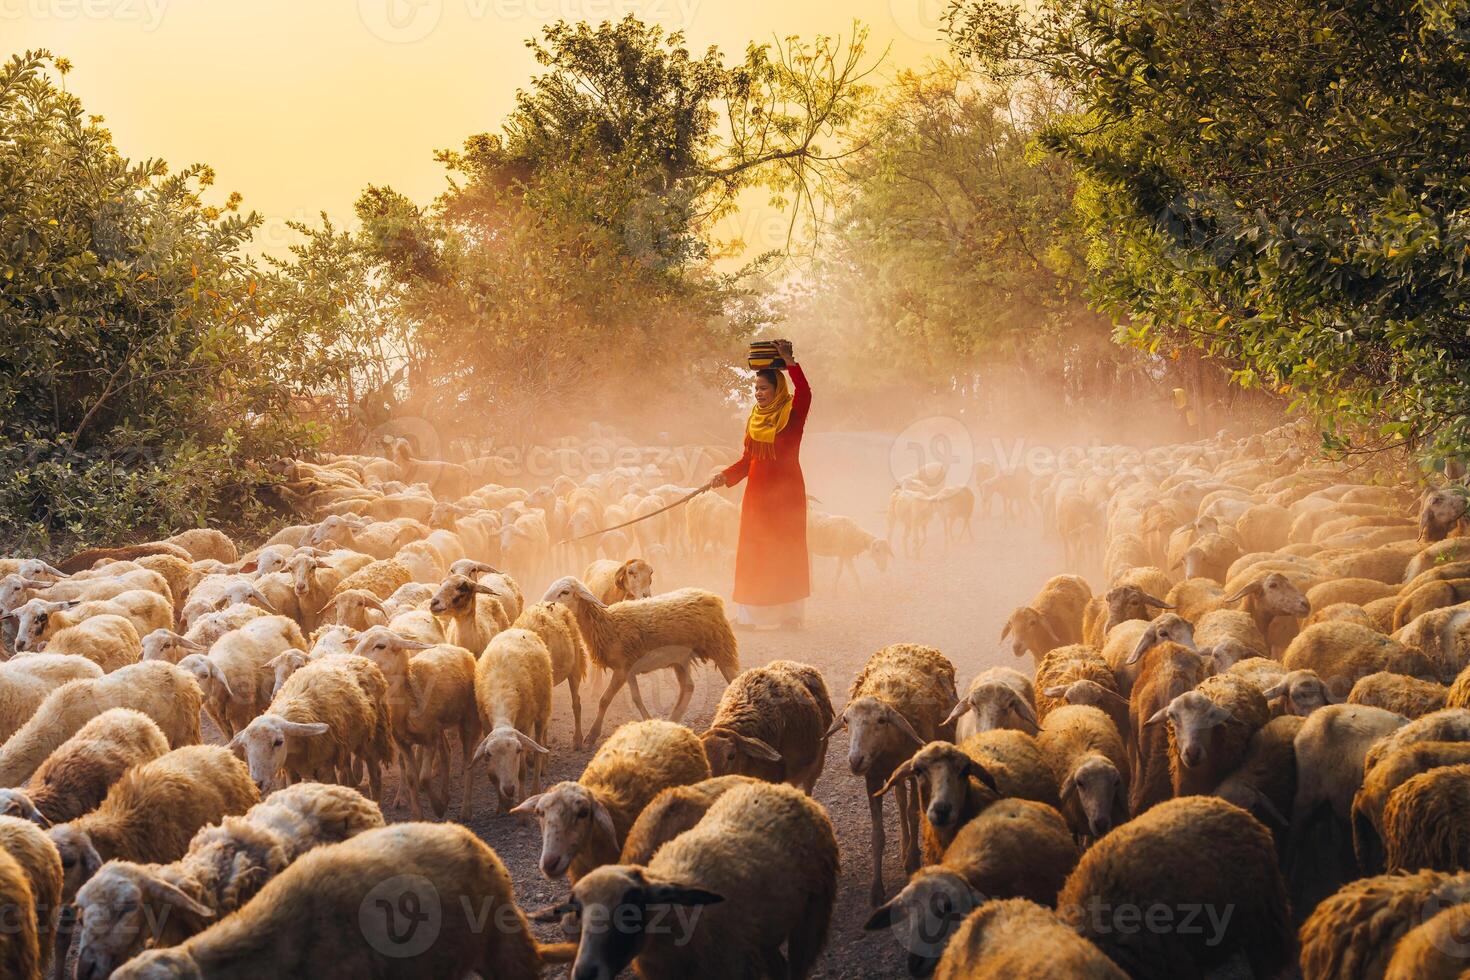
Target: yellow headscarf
(766, 422)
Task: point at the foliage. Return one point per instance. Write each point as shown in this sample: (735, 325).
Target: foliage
(1278, 184)
(141, 374)
(570, 262)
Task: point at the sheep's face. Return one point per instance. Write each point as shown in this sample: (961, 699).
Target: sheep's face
(1304, 691)
(16, 803)
(607, 910)
(506, 753)
(1227, 653)
(303, 567)
(79, 859)
(1090, 693)
(1442, 510)
(1279, 597)
(1194, 718)
(635, 578)
(567, 592)
(358, 609)
(169, 963)
(1168, 628)
(944, 772)
(875, 729)
(35, 622)
(998, 705)
(456, 597)
(115, 925)
(283, 666)
(1124, 603)
(334, 527)
(335, 639)
(1097, 783)
(1029, 632)
(568, 814)
(164, 644)
(267, 743)
(925, 914)
(241, 594)
(271, 560)
(13, 589)
(882, 553)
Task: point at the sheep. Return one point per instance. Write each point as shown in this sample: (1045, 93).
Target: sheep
(431, 692)
(1443, 636)
(763, 862)
(1210, 556)
(1353, 933)
(127, 904)
(1067, 665)
(406, 598)
(1229, 629)
(1264, 783)
(1052, 619)
(506, 591)
(558, 629)
(1020, 939)
(1433, 950)
(613, 581)
(585, 824)
(1442, 512)
(1423, 821)
(1120, 604)
(328, 716)
(953, 783)
(909, 512)
(381, 578)
(672, 812)
(150, 814)
(1345, 612)
(898, 701)
(1014, 849)
(316, 577)
(20, 949)
(1343, 653)
(1209, 728)
(39, 621)
(830, 536)
(1330, 751)
(367, 881)
(1090, 763)
(39, 860)
(1181, 855)
(75, 778)
(358, 609)
(25, 682)
(220, 592)
(211, 626)
(471, 612)
(111, 642)
(1130, 641)
(997, 698)
(1168, 670)
(1388, 774)
(1417, 600)
(512, 689)
(1297, 692)
(159, 690)
(235, 675)
(672, 630)
(1401, 694)
(771, 723)
(1358, 591)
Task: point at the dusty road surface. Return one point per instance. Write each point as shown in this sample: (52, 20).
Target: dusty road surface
(954, 599)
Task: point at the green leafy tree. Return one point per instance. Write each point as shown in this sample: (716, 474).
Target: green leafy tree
(1281, 186)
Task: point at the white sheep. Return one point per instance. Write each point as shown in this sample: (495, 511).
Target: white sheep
(513, 691)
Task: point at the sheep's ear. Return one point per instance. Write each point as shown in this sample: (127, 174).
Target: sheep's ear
(621, 578)
(603, 819)
(756, 748)
(1068, 785)
(1271, 693)
(882, 917)
(977, 771)
(163, 891)
(1006, 630)
(1149, 638)
(902, 772)
(679, 895)
(551, 913)
(479, 754)
(1025, 710)
(838, 723)
(1060, 691)
(1156, 603)
(531, 744)
(305, 728)
(1255, 587)
(961, 706)
(1158, 716)
(903, 725)
(528, 805)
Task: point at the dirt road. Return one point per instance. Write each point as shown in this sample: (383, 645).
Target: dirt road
(954, 599)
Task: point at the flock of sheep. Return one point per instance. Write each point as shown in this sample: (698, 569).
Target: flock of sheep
(1251, 747)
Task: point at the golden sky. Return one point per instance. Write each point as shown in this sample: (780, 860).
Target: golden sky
(298, 104)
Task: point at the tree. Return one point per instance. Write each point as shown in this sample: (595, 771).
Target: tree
(141, 375)
(1280, 185)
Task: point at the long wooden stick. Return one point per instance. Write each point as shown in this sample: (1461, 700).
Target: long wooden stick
(678, 503)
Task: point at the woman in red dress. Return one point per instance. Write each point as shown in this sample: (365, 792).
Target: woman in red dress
(772, 569)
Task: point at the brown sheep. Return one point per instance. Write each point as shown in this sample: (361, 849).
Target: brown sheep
(1341, 612)
(38, 858)
(1052, 619)
(1209, 729)
(151, 814)
(1015, 849)
(1434, 950)
(1120, 604)
(1399, 693)
(1185, 853)
(1442, 513)
(1091, 766)
(1021, 940)
(898, 702)
(1388, 774)
(1443, 635)
(1343, 653)
(1125, 656)
(1424, 821)
(771, 724)
(558, 629)
(1420, 599)
(1351, 935)
(585, 824)
(1064, 665)
(20, 948)
(998, 697)
(672, 812)
(1265, 781)
(361, 881)
(1168, 671)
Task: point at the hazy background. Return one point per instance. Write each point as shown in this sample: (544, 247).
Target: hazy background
(299, 104)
